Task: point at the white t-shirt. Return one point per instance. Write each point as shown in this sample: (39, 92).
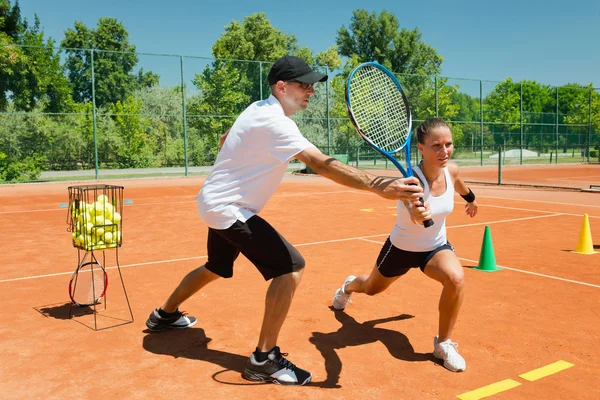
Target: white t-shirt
(409, 236)
(250, 165)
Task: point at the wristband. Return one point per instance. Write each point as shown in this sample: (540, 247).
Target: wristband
(469, 198)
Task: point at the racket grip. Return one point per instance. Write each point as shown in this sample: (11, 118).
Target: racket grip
(428, 222)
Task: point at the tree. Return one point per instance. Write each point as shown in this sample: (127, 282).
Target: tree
(114, 61)
(228, 85)
(372, 37)
(30, 72)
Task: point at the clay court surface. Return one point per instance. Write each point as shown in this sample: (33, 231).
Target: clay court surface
(540, 309)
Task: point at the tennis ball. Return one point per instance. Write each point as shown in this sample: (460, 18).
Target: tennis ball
(88, 228)
(103, 199)
(99, 233)
(99, 220)
(108, 211)
(108, 237)
(116, 217)
(109, 226)
(99, 207)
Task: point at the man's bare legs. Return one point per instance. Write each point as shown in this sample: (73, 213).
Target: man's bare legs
(277, 304)
(190, 284)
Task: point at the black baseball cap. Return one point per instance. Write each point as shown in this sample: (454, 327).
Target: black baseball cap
(290, 68)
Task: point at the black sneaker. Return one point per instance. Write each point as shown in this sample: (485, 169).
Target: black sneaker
(275, 369)
(176, 320)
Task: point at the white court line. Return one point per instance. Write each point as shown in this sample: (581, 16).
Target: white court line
(538, 274)
(297, 245)
(64, 209)
(503, 221)
(539, 201)
(122, 266)
(518, 270)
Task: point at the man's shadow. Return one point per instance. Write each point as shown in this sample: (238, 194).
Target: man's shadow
(353, 333)
(193, 344)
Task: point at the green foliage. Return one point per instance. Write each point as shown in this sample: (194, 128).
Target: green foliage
(372, 37)
(136, 149)
(30, 72)
(114, 60)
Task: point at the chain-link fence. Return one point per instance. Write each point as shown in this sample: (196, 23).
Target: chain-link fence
(164, 115)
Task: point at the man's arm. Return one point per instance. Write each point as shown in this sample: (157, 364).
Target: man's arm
(389, 188)
(222, 138)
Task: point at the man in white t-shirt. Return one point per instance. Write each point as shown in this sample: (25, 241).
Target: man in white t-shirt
(250, 166)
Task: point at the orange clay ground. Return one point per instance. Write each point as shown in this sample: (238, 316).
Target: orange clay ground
(540, 309)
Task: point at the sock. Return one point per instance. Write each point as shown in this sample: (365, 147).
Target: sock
(261, 356)
(164, 314)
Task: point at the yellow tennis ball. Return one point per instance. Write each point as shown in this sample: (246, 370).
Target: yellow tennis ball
(108, 210)
(116, 217)
(88, 228)
(99, 233)
(103, 199)
(99, 220)
(108, 237)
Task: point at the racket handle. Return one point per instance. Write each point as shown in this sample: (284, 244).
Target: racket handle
(428, 222)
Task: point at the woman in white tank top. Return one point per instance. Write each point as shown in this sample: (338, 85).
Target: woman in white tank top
(411, 245)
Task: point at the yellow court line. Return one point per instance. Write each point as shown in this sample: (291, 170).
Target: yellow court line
(489, 390)
(545, 371)
(366, 209)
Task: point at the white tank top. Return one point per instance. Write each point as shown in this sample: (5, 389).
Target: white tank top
(409, 236)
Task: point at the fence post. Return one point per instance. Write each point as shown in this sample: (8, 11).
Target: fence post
(437, 102)
(500, 165)
(556, 127)
(260, 82)
(185, 144)
(589, 141)
(328, 116)
(521, 113)
(94, 116)
(481, 121)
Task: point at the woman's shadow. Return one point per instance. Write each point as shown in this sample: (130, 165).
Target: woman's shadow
(353, 333)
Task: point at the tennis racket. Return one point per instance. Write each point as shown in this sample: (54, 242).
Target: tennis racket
(88, 284)
(379, 110)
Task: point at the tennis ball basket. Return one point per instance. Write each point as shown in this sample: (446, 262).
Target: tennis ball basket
(95, 216)
(95, 221)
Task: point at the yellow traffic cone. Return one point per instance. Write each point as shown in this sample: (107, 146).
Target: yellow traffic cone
(585, 244)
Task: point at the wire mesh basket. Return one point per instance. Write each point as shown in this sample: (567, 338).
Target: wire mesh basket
(95, 216)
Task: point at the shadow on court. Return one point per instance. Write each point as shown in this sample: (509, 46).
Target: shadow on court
(61, 310)
(193, 344)
(353, 333)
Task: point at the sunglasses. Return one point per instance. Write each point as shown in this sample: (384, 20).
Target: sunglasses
(305, 86)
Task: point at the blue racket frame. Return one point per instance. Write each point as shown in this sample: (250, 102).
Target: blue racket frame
(408, 172)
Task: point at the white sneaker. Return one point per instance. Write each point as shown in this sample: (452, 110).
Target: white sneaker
(341, 298)
(448, 351)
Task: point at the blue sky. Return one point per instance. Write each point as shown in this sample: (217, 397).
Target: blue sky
(552, 41)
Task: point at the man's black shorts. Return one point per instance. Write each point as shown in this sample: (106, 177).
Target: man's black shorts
(259, 242)
(393, 261)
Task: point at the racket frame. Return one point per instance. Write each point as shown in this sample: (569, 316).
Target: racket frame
(408, 172)
(75, 277)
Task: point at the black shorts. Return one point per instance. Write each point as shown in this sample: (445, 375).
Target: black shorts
(259, 242)
(393, 261)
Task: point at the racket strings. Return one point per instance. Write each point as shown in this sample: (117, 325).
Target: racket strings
(379, 108)
(88, 288)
